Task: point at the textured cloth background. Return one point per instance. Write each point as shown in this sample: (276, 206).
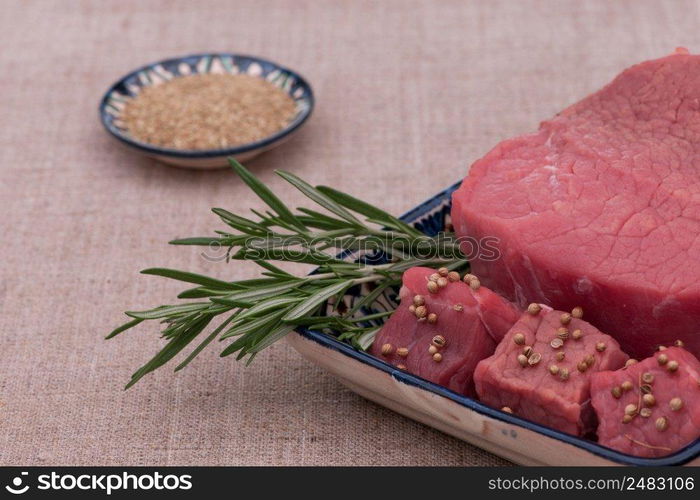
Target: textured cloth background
(409, 94)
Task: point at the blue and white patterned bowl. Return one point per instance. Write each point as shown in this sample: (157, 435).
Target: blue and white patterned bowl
(128, 87)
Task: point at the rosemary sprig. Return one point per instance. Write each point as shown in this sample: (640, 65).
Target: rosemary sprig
(258, 312)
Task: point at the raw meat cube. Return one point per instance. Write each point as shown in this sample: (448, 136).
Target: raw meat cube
(542, 369)
(651, 408)
(442, 335)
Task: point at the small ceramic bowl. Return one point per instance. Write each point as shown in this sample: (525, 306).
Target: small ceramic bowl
(128, 87)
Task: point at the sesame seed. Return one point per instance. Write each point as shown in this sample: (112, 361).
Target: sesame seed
(506, 409)
(645, 412)
(648, 377)
(401, 367)
(433, 287)
(421, 311)
(649, 399)
(387, 349)
(616, 392)
(534, 358)
(553, 369)
(432, 318)
(600, 346)
(527, 350)
(672, 366)
(534, 309)
(434, 277)
(577, 334)
(564, 374)
(590, 360)
(402, 351)
(661, 424)
(565, 319)
(661, 348)
(645, 389)
(208, 111)
(582, 366)
(560, 356)
(630, 409)
(563, 333)
(437, 357)
(442, 282)
(626, 385)
(627, 419)
(679, 343)
(630, 362)
(676, 404)
(453, 276)
(412, 309)
(662, 359)
(432, 349)
(458, 307)
(577, 312)
(475, 284)
(519, 338)
(443, 271)
(418, 300)
(522, 359)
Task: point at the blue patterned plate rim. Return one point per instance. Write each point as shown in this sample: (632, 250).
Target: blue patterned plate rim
(307, 93)
(680, 457)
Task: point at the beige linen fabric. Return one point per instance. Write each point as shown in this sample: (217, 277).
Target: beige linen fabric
(409, 93)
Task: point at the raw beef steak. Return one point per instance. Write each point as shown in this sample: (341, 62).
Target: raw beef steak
(442, 335)
(651, 408)
(601, 208)
(542, 369)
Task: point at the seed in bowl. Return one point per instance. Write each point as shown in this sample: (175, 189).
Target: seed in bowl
(208, 111)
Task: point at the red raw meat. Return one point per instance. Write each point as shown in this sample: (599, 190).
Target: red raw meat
(601, 208)
(553, 392)
(653, 430)
(470, 330)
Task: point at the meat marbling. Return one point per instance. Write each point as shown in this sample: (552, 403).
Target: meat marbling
(601, 208)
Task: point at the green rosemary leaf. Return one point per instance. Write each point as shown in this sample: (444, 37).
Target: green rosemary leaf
(274, 270)
(242, 224)
(171, 349)
(266, 195)
(259, 293)
(198, 241)
(254, 325)
(166, 311)
(199, 292)
(368, 210)
(267, 305)
(315, 300)
(271, 338)
(372, 296)
(206, 342)
(320, 198)
(188, 277)
(365, 340)
(284, 255)
(124, 327)
(243, 304)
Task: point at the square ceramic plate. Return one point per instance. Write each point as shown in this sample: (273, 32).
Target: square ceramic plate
(511, 437)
